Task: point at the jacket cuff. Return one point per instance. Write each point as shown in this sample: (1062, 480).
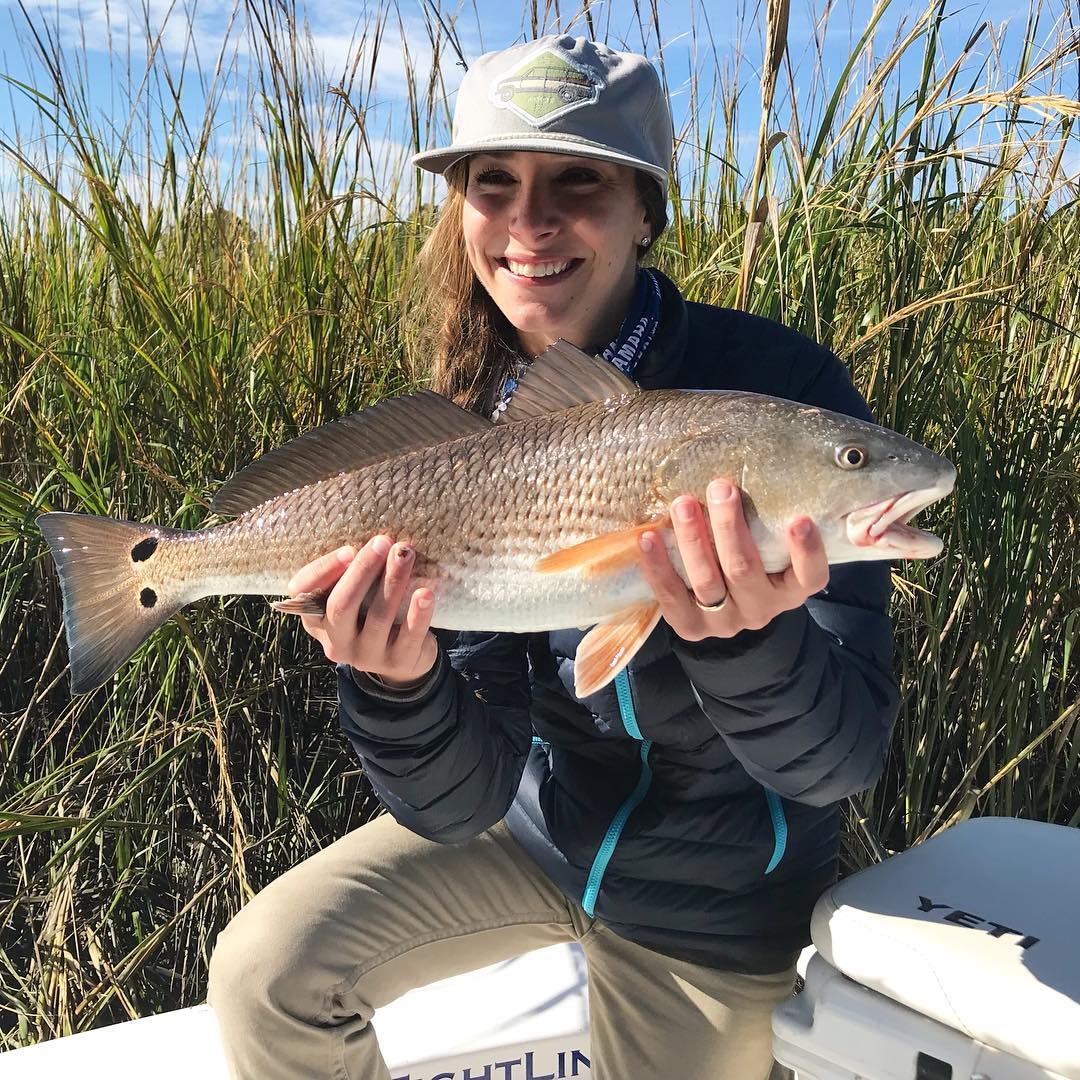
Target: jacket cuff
(408, 695)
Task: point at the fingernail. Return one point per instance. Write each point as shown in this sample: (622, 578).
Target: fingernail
(345, 554)
(684, 510)
(802, 528)
(380, 545)
(645, 542)
(404, 552)
(425, 601)
(719, 491)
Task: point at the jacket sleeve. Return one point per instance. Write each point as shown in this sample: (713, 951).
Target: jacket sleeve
(446, 759)
(807, 703)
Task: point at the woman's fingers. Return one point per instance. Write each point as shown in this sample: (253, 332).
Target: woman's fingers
(371, 639)
(740, 560)
(721, 562)
(322, 574)
(809, 569)
(343, 603)
(346, 576)
(696, 549)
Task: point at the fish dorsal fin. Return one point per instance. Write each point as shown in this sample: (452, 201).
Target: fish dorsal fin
(561, 377)
(394, 426)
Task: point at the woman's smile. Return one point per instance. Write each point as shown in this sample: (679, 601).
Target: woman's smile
(533, 272)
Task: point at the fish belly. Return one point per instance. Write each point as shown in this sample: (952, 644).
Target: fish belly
(514, 599)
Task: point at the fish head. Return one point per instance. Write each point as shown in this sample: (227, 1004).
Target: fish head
(860, 483)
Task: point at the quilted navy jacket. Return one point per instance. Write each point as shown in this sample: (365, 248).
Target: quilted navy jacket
(691, 804)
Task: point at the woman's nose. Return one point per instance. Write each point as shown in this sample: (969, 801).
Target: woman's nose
(535, 213)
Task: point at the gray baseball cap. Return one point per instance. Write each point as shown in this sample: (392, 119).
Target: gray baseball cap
(566, 95)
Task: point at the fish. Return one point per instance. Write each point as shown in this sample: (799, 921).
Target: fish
(525, 524)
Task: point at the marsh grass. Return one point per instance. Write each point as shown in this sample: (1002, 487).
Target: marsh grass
(167, 314)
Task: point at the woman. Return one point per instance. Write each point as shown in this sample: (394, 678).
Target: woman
(679, 823)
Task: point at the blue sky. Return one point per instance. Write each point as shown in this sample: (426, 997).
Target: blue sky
(106, 39)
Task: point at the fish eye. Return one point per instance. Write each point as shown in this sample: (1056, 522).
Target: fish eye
(851, 457)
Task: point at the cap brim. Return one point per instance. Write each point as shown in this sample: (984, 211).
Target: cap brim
(438, 161)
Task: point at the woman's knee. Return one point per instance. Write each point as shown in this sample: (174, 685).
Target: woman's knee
(260, 960)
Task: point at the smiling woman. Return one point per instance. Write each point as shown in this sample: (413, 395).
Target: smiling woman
(679, 820)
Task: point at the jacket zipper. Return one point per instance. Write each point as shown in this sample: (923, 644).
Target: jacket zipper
(779, 828)
(618, 822)
(622, 815)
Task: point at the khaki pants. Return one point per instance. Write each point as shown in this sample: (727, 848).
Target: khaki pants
(297, 975)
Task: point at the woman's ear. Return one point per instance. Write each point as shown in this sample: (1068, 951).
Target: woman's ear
(645, 233)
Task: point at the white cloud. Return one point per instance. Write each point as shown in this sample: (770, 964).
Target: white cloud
(403, 49)
(111, 27)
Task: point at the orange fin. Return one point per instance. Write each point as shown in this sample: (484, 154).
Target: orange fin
(609, 646)
(603, 554)
(305, 603)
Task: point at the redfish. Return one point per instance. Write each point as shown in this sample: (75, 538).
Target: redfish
(525, 525)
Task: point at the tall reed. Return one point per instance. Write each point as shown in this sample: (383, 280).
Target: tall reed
(168, 312)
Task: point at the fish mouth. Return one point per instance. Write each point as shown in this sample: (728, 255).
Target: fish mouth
(884, 524)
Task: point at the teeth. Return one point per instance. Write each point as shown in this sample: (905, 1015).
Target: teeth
(535, 270)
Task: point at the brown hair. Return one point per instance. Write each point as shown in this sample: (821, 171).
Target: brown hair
(455, 334)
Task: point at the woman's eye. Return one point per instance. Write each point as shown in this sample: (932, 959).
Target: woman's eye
(492, 176)
(580, 176)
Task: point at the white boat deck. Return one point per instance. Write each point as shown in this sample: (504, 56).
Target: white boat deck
(524, 1019)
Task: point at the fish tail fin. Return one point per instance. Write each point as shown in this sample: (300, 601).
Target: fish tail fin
(609, 646)
(110, 604)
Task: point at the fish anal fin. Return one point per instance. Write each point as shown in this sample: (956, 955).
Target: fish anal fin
(601, 555)
(306, 603)
(608, 647)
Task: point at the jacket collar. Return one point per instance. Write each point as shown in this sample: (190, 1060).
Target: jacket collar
(663, 359)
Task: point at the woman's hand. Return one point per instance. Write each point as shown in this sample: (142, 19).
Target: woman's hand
(398, 654)
(725, 571)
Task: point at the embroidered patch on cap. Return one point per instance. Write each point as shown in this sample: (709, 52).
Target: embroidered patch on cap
(546, 85)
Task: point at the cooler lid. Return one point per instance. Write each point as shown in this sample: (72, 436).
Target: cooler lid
(975, 927)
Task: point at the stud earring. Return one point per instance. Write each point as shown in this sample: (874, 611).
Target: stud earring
(645, 242)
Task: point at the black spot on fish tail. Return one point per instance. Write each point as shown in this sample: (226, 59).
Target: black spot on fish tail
(108, 611)
(144, 549)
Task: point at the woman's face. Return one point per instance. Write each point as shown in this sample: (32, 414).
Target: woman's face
(553, 238)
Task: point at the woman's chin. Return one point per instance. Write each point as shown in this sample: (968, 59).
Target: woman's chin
(546, 325)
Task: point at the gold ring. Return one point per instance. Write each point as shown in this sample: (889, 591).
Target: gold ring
(712, 607)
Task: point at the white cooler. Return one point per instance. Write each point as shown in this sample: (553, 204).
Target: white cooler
(958, 959)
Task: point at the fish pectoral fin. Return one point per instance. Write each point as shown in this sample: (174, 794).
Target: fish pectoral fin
(608, 647)
(603, 554)
(305, 603)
